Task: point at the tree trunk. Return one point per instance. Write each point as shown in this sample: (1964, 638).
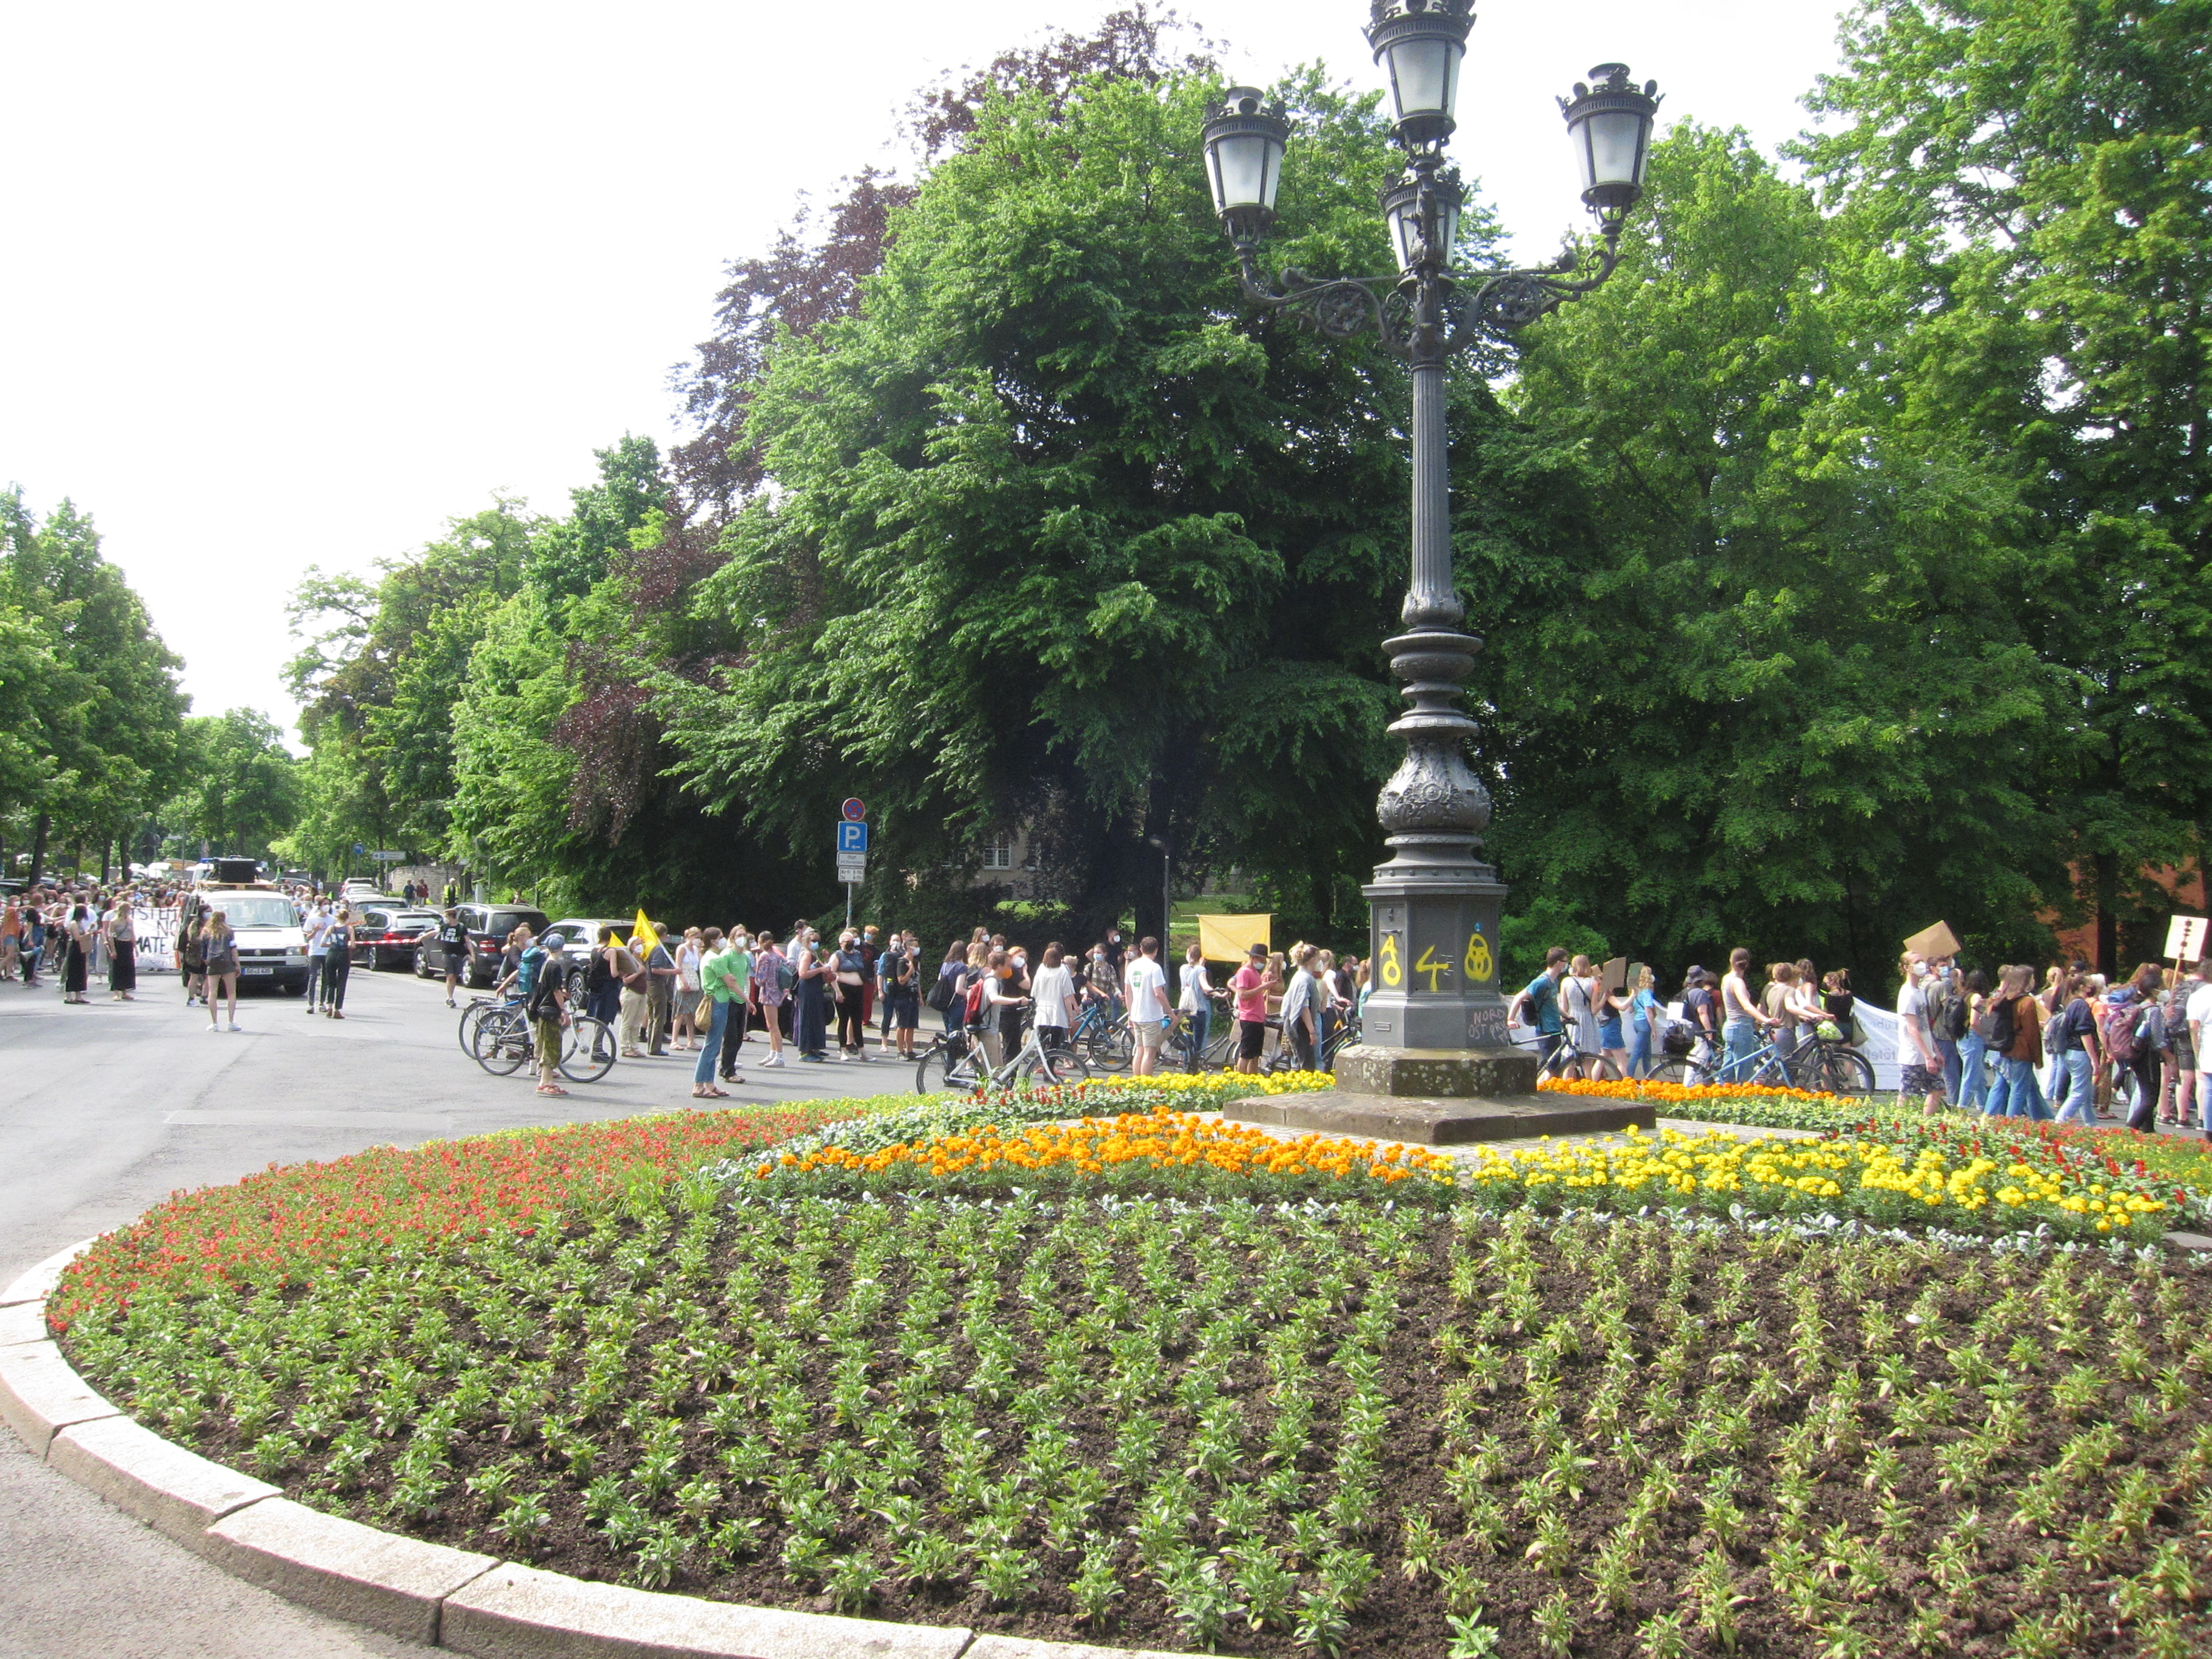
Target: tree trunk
(2108, 897)
(39, 848)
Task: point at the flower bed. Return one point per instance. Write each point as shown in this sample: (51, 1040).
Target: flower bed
(1160, 1152)
(1272, 1430)
(1754, 1105)
(1897, 1174)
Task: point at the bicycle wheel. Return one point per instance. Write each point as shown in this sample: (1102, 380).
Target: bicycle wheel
(503, 1042)
(1674, 1068)
(587, 1050)
(1057, 1065)
(1108, 1049)
(1846, 1072)
(471, 1016)
(945, 1066)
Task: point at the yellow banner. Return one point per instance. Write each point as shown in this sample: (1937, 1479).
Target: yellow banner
(1227, 939)
(642, 938)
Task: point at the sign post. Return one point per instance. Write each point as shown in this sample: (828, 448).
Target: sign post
(852, 851)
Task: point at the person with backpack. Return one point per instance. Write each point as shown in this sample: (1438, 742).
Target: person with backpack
(773, 977)
(2011, 1028)
(945, 991)
(1919, 1062)
(900, 970)
(337, 962)
(544, 992)
(2074, 1033)
(453, 947)
(1948, 1020)
(2127, 1014)
(2177, 1089)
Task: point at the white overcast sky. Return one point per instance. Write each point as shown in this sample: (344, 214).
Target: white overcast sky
(283, 285)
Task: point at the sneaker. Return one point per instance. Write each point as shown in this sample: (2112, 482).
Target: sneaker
(236, 1026)
(772, 1060)
(212, 1026)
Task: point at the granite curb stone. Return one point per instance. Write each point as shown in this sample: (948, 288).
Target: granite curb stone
(176, 1492)
(1024, 1647)
(340, 1567)
(37, 1284)
(523, 1613)
(26, 1321)
(40, 1395)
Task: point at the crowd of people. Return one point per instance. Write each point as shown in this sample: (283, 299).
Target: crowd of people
(76, 936)
(2077, 1047)
(705, 991)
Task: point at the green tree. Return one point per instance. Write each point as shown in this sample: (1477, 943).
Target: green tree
(511, 782)
(571, 556)
(244, 791)
(1063, 533)
(1782, 697)
(103, 722)
(2037, 173)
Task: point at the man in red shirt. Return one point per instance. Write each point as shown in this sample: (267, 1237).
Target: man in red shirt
(1251, 984)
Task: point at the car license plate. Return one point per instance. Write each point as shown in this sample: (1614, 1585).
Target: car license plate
(251, 972)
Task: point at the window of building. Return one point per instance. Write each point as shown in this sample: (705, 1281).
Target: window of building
(998, 852)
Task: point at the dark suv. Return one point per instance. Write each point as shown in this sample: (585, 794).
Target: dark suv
(489, 924)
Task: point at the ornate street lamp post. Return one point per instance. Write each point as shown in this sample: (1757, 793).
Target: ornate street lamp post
(1434, 906)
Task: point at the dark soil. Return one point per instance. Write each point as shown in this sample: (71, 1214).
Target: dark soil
(1874, 1418)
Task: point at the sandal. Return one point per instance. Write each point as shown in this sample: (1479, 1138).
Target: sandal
(552, 1089)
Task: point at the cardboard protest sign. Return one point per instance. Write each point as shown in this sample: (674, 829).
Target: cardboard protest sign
(2185, 938)
(1934, 942)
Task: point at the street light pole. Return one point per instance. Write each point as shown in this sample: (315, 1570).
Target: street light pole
(1434, 906)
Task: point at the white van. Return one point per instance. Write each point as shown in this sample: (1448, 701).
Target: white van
(271, 949)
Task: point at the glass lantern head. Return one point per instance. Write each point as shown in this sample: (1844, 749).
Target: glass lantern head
(1609, 121)
(1402, 207)
(1244, 143)
(1419, 45)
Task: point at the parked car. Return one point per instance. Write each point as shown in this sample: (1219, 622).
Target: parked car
(489, 924)
(576, 938)
(384, 938)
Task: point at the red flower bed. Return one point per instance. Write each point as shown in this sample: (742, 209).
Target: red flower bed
(286, 1219)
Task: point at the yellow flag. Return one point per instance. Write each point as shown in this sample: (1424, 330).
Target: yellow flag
(642, 938)
(1227, 939)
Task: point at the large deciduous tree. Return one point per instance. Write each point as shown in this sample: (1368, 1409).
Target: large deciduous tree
(2038, 171)
(1064, 532)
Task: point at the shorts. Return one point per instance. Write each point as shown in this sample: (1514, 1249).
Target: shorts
(457, 962)
(548, 1040)
(1149, 1033)
(905, 1012)
(1251, 1038)
(1915, 1081)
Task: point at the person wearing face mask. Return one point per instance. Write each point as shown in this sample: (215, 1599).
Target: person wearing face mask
(850, 971)
(1102, 982)
(815, 973)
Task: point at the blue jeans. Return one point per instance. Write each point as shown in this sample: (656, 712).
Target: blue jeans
(1639, 1050)
(1968, 1093)
(703, 1073)
(2016, 1093)
(2081, 1087)
(1200, 1027)
(1741, 1035)
(1948, 1051)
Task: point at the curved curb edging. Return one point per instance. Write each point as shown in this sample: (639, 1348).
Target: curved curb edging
(427, 1593)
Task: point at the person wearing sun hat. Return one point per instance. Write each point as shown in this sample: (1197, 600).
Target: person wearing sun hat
(1250, 984)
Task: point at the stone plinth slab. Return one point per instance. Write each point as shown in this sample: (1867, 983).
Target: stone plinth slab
(37, 1284)
(1023, 1647)
(341, 1567)
(522, 1612)
(1436, 1074)
(1442, 1123)
(2189, 1240)
(176, 1492)
(41, 1395)
(24, 1322)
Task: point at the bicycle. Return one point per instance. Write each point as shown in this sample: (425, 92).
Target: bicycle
(472, 1016)
(1569, 1061)
(1817, 1065)
(505, 1043)
(958, 1062)
(1102, 1035)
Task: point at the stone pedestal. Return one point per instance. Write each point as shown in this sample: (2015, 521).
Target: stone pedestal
(1440, 1098)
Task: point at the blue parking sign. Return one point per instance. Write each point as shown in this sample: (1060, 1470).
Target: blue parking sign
(852, 838)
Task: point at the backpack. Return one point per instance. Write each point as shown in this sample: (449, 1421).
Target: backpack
(940, 994)
(787, 976)
(2002, 1016)
(2120, 1024)
(975, 994)
(1947, 1012)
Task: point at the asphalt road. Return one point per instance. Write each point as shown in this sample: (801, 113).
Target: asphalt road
(109, 1108)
